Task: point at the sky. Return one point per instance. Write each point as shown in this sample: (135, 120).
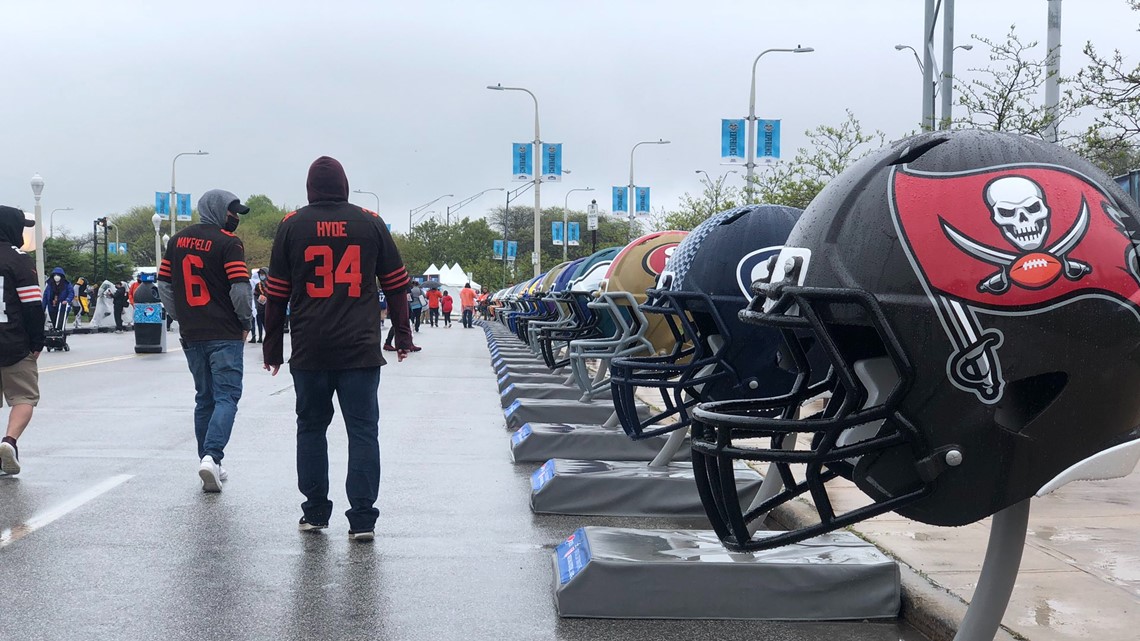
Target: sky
(100, 96)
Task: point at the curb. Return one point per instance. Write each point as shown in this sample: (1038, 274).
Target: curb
(929, 608)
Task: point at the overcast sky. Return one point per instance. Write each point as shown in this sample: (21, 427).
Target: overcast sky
(99, 96)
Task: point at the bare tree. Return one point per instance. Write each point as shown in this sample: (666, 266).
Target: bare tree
(1114, 90)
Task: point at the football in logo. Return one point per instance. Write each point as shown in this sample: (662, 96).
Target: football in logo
(656, 258)
(1036, 270)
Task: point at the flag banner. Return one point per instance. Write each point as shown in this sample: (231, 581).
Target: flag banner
(162, 203)
(573, 234)
(768, 139)
(556, 232)
(732, 141)
(522, 161)
(619, 200)
(512, 250)
(182, 208)
(122, 249)
(497, 250)
(642, 200)
(552, 161)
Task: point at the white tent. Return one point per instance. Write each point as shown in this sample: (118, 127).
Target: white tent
(454, 276)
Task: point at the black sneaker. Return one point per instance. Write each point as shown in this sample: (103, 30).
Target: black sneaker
(305, 525)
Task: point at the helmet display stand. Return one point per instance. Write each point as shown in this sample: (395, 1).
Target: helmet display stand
(999, 573)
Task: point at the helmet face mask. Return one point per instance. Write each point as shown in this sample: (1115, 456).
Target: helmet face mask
(968, 341)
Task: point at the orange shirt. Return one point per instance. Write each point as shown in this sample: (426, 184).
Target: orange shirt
(467, 297)
(433, 297)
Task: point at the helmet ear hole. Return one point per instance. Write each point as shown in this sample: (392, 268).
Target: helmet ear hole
(1025, 399)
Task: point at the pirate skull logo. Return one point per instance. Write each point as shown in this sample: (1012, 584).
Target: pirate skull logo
(1020, 211)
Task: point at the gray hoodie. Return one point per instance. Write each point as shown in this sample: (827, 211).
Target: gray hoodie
(213, 207)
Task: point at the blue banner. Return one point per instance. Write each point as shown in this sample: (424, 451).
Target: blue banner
(522, 161)
(497, 250)
(619, 200)
(732, 140)
(162, 203)
(572, 555)
(556, 232)
(642, 200)
(512, 250)
(768, 139)
(523, 432)
(182, 208)
(552, 161)
(572, 234)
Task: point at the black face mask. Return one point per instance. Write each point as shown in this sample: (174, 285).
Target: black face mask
(231, 223)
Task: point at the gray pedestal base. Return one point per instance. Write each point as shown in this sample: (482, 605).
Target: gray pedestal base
(505, 380)
(687, 574)
(540, 442)
(551, 391)
(526, 410)
(625, 488)
(537, 367)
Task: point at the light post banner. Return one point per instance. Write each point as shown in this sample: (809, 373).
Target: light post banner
(552, 161)
(556, 232)
(182, 208)
(768, 139)
(732, 141)
(619, 200)
(497, 250)
(162, 203)
(512, 250)
(642, 200)
(573, 234)
(522, 161)
(592, 217)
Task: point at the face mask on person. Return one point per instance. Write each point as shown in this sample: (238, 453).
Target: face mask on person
(231, 223)
(57, 278)
(261, 277)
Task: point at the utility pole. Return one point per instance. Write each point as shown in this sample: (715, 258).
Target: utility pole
(1053, 69)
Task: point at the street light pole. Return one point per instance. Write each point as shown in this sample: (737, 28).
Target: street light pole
(173, 191)
(632, 188)
(467, 201)
(156, 220)
(566, 219)
(537, 178)
(947, 78)
(373, 194)
(37, 190)
(750, 143)
(415, 210)
(51, 220)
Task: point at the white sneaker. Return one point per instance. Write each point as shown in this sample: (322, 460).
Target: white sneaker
(223, 475)
(210, 473)
(9, 459)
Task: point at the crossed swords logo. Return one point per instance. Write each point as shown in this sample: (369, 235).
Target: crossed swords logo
(999, 282)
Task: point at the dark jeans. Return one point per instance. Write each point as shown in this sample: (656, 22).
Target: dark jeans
(119, 316)
(217, 370)
(417, 312)
(433, 316)
(356, 393)
(259, 326)
(467, 314)
(447, 318)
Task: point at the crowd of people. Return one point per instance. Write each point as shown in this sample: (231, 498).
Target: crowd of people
(106, 307)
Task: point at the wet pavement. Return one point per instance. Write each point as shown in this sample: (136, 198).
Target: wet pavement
(107, 535)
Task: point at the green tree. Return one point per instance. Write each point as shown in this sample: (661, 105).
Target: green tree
(716, 196)
(1113, 88)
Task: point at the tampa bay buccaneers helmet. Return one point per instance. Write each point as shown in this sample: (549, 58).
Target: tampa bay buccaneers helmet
(978, 297)
(633, 271)
(699, 296)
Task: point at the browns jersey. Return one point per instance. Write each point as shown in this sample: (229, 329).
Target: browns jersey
(201, 262)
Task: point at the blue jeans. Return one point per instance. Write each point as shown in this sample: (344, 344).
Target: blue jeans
(217, 370)
(357, 394)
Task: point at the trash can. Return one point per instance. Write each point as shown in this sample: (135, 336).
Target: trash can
(150, 321)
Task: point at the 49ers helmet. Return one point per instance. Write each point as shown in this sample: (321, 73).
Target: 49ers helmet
(704, 287)
(978, 297)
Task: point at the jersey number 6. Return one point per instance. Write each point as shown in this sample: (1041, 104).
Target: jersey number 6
(347, 270)
(197, 294)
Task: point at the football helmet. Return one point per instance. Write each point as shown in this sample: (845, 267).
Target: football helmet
(977, 296)
(584, 323)
(698, 297)
(633, 271)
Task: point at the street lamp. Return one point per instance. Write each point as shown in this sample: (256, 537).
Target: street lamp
(373, 194)
(51, 220)
(632, 188)
(717, 183)
(173, 191)
(565, 219)
(750, 143)
(156, 220)
(947, 80)
(416, 210)
(466, 201)
(537, 178)
(37, 190)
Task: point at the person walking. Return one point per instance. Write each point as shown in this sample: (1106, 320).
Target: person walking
(260, 298)
(446, 303)
(121, 300)
(433, 297)
(416, 303)
(21, 334)
(204, 285)
(58, 294)
(467, 300)
(326, 262)
(82, 295)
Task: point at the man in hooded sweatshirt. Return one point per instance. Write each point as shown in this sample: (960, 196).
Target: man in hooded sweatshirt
(21, 333)
(327, 260)
(204, 285)
(58, 294)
